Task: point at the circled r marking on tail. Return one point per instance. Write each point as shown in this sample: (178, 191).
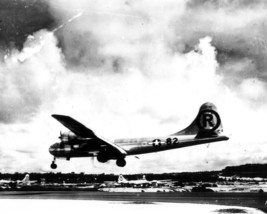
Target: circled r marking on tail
(208, 120)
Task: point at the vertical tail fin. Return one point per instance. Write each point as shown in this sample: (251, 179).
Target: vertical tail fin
(26, 179)
(121, 179)
(144, 177)
(206, 124)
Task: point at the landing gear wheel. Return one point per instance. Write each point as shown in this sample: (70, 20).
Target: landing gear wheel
(121, 162)
(53, 165)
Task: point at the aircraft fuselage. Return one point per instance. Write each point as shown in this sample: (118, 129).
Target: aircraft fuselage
(132, 146)
(148, 145)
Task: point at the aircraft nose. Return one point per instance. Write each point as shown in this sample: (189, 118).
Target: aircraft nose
(53, 148)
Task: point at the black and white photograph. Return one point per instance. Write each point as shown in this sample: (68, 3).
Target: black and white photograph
(133, 106)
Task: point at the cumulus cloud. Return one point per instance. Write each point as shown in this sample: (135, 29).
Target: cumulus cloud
(238, 30)
(28, 77)
(134, 69)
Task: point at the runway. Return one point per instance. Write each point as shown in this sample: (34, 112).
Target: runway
(253, 200)
(33, 206)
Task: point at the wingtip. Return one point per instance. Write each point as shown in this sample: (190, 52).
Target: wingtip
(54, 115)
(58, 116)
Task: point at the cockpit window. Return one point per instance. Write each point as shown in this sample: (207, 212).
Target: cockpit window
(56, 145)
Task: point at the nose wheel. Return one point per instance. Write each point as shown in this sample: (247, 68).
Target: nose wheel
(53, 164)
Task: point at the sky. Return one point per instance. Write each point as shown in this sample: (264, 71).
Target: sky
(132, 69)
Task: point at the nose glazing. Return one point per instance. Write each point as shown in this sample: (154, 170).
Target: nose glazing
(53, 148)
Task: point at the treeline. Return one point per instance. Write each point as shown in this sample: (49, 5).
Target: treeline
(100, 178)
(247, 170)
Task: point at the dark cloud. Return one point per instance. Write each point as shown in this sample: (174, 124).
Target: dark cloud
(238, 30)
(18, 19)
(80, 48)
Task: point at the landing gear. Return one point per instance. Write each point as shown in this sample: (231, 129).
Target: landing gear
(53, 164)
(121, 162)
(101, 158)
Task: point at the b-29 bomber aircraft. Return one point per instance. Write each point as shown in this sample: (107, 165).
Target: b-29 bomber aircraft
(83, 142)
(14, 184)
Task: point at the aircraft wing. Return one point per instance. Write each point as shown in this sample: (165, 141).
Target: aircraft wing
(5, 182)
(81, 130)
(74, 126)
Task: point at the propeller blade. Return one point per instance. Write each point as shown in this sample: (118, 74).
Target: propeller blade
(60, 135)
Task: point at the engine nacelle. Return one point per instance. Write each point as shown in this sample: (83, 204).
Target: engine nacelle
(102, 158)
(60, 150)
(67, 136)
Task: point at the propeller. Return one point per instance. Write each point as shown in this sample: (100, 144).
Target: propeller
(60, 136)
